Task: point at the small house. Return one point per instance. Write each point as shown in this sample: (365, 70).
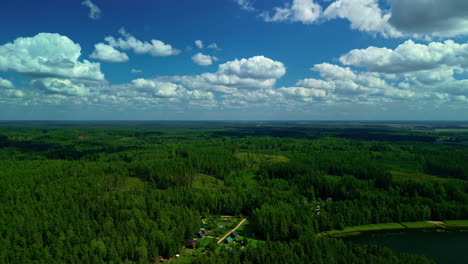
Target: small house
(234, 234)
(191, 244)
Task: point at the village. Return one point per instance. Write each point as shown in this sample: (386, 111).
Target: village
(223, 233)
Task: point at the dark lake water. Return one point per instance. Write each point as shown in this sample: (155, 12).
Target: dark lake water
(449, 246)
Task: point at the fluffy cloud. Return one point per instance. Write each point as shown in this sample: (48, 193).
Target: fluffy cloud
(94, 11)
(129, 42)
(158, 89)
(331, 71)
(203, 60)
(199, 44)
(257, 67)
(364, 15)
(6, 84)
(61, 86)
(315, 83)
(108, 53)
(47, 55)
(417, 18)
(150, 93)
(409, 57)
(253, 73)
(435, 17)
(246, 5)
(7, 90)
(301, 93)
(304, 11)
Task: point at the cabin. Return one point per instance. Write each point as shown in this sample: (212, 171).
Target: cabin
(191, 244)
(234, 234)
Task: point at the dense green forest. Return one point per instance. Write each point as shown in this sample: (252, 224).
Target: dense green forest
(134, 192)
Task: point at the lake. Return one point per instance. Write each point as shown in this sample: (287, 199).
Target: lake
(443, 246)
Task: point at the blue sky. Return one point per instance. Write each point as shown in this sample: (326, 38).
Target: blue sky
(234, 59)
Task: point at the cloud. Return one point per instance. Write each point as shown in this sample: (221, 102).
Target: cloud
(199, 44)
(444, 18)
(136, 71)
(331, 71)
(129, 42)
(257, 67)
(203, 60)
(11, 93)
(108, 53)
(364, 15)
(47, 55)
(254, 73)
(61, 86)
(94, 11)
(158, 89)
(246, 5)
(304, 11)
(409, 57)
(417, 19)
(213, 46)
(6, 84)
(301, 93)
(152, 93)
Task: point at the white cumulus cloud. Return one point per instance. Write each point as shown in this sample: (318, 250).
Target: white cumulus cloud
(301, 93)
(364, 15)
(107, 53)
(403, 18)
(409, 57)
(47, 55)
(203, 60)
(254, 73)
(304, 11)
(257, 67)
(61, 86)
(199, 44)
(129, 42)
(6, 84)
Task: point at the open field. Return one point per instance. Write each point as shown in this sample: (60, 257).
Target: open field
(356, 230)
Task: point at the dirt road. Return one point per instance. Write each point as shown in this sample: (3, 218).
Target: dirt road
(232, 230)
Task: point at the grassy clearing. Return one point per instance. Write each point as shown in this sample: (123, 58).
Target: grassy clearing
(131, 184)
(420, 224)
(363, 228)
(356, 230)
(417, 176)
(451, 130)
(203, 181)
(457, 223)
(256, 159)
